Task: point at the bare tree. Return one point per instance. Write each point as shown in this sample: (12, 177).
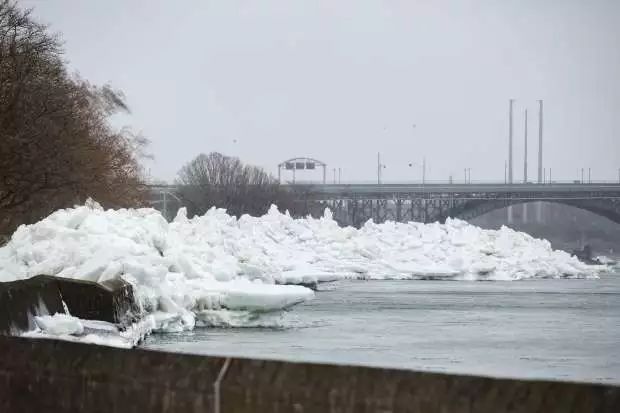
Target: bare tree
(225, 182)
(56, 145)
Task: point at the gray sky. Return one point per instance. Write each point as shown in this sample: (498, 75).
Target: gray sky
(341, 80)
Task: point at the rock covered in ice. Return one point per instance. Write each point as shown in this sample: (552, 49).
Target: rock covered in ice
(216, 262)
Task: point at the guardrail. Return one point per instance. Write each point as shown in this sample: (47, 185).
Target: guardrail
(454, 182)
(462, 188)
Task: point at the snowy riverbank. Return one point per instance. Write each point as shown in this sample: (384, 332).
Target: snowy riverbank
(199, 271)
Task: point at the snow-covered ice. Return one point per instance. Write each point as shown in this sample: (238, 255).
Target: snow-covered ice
(59, 324)
(69, 328)
(186, 271)
(606, 260)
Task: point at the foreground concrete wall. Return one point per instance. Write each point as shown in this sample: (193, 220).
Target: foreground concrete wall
(44, 375)
(111, 301)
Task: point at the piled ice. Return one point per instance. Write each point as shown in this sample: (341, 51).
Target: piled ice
(186, 270)
(276, 248)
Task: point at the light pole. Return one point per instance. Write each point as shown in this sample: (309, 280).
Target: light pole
(380, 166)
(540, 140)
(525, 151)
(413, 128)
(423, 186)
(510, 106)
(164, 202)
(411, 164)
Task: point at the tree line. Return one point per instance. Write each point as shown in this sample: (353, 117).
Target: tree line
(225, 182)
(57, 147)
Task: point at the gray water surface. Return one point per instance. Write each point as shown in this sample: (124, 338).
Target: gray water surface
(554, 329)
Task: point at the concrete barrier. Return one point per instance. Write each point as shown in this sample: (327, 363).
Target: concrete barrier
(20, 300)
(46, 375)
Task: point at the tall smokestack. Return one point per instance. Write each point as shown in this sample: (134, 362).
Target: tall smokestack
(525, 152)
(540, 142)
(510, 141)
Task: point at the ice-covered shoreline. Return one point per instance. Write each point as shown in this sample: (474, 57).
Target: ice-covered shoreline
(186, 271)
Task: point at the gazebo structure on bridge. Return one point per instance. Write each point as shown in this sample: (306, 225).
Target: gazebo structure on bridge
(295, 164)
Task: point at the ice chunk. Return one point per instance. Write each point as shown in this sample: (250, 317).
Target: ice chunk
(59, 324)
(98, 332)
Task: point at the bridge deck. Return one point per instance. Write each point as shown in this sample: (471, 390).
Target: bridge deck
(363, 189)
(356, 203)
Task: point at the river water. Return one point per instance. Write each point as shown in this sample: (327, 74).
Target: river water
(553, 329)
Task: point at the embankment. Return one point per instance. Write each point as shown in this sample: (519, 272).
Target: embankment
(46, 375)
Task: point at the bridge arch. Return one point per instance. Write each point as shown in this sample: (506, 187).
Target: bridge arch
(474, 208)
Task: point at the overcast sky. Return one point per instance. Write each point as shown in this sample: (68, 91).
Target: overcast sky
(342, 80)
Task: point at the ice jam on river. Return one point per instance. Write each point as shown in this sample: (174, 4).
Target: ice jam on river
(213, 268)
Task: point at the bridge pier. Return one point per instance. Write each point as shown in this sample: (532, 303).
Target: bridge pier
(539, 212)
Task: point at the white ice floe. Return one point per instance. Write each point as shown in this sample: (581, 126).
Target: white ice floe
(606, 260)
(185, 270)
(69, 328)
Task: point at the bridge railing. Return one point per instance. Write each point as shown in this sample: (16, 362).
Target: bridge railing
(453, 182)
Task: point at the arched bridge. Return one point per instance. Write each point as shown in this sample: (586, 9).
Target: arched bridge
(355, 204)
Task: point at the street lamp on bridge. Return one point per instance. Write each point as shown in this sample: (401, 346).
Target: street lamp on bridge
(380, 168)
(423, 165)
